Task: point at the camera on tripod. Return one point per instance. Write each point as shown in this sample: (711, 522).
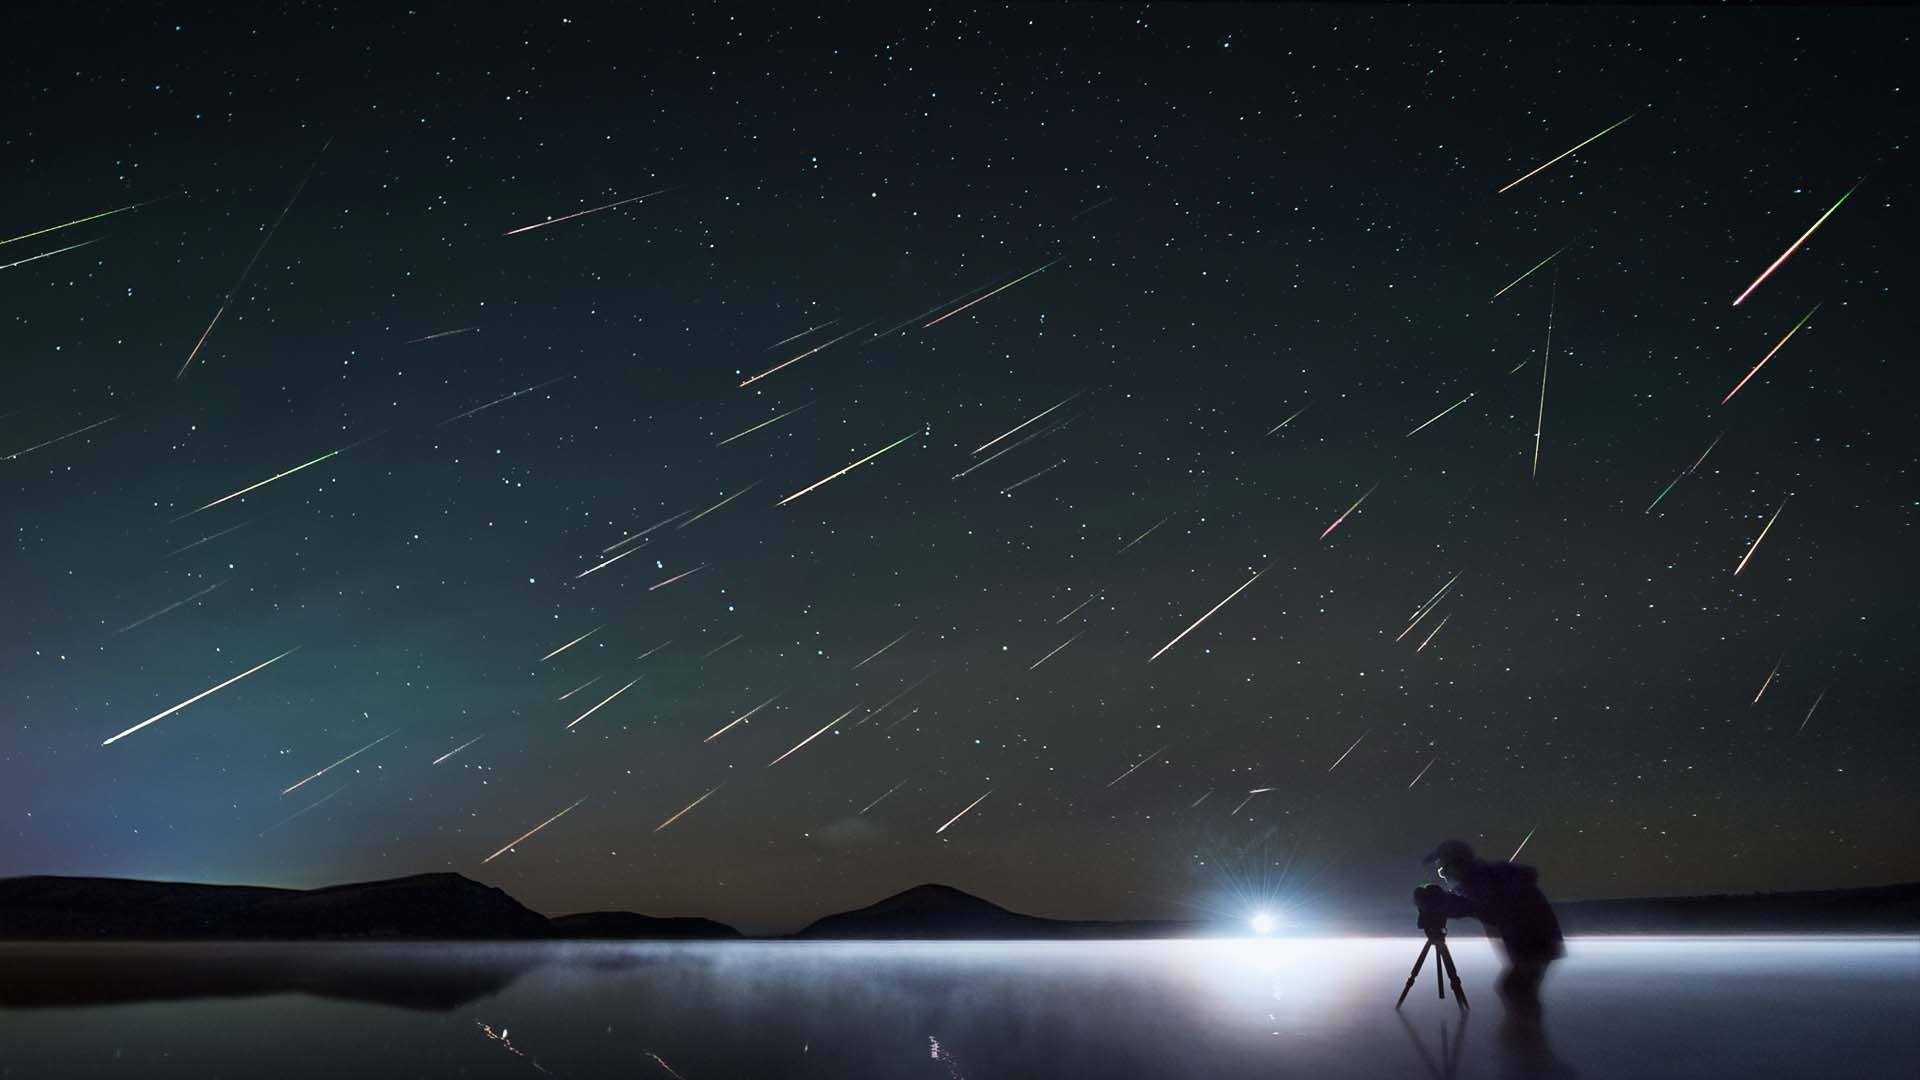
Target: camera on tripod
(1431, 901)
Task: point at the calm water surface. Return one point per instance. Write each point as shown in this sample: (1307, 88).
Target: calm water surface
(1625, 1007)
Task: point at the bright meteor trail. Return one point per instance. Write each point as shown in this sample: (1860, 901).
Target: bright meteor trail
(804, 355)
(1028, 420)
(1757, 539)
(742, 718)
(196, 697)
(684, 809)
(62, 438)
(535, 829)
(77, 221)
(603, 701)
(989, 296)
(271, 479)
(582, 213)
(342, 761)
(1350, 749)
(811, 737)
(1443, 412)
(1349, 510)
(1603, 131)
(1546, 360)
(962, 813)
(1795, 246)
(49, 254)
(572, 643)
(761, 424)
(457, 749)
(1769, 356)
(849, 468)
(1209, 614)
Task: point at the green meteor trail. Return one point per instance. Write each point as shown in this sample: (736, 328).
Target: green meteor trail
(76, 221)
(1603, 131)
(1528, 274)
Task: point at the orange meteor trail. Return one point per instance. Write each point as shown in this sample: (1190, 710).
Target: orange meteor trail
(677, 577)
(990, 295)
(1768, 272)
(582, 213)
(1769, 356)
(742, 718)
(535, 829)
(684, 809)
(811, 737)
(1757, 539)
(1770, 675)
(1349, 510)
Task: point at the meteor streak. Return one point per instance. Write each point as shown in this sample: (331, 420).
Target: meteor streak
(762, 424)
(502, 400)
(924, 314)
(1810, 708)
(49, 254)
(1663, 491)
(655, 649)
(1435, 598)
(1204, 618)
(1523, 844)
(579, 688)
(1235, 812)
(1136, 766)
(811, 737)
(529, 833)
(1443, 412)
(204, 539)
(1757, 539)
(643, 532)
(990, 295)
(877, 802)
(710, 653)
(962, 813)
(1196, 803)
(343, 761)
(457, 749)
(1703, 454)
(1769, 679)
(887, 704)
(310, 806)
(881, 649)
(149, 618)
(1769, 356)
(803, 333)
(1028, 420)
(716, 506)
(1290, 419)
(1421, 773)
(608, 562)
(194, 698)
(1603, 131)
(441, 334)
(1343, 516)
(804, 355)
(603, 701)
(78, 221)
(1011, 447)
(1008, 490)
(1768, 272)
(271, 479)
(686, 808)
(1350, 749)
(849, 468)
(1528, 274)
(1436, 631)
(1546, 360)
(677, 577)
(582, 213)
(1056, 649)
(1144, 535)
(63, 438)
(572, 643)
(742, 718)
(1076, 609)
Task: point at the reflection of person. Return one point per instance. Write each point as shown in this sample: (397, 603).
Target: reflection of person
(1505, 898)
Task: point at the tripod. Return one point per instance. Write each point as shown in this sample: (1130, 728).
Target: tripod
(1442, 966)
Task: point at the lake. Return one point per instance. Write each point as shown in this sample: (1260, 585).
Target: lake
(1628, 1007)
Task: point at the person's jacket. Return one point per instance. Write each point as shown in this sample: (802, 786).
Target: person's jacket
(1506, 900)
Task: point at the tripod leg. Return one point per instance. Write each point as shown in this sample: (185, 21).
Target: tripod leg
(1421, 959)
(1453, 975)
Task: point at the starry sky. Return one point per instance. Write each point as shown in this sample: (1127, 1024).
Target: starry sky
(1267, 243)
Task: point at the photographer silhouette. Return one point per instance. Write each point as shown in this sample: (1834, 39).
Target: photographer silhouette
(1508, 902)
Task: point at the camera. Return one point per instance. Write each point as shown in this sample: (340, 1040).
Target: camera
(1431, 902)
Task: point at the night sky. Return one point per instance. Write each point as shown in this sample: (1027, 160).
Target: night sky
(1269, 238)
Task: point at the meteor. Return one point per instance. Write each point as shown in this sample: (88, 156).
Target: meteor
(1436, 631)
(1708, 450)
(924, 314)
(502, 400)
(990, 295)
(1290, 419)
(271, 479)
(1810, 708)
(1204, 618)
(716, 506)
(1603, 131)
(804, 355)
(887, 704)
(1196, 803)
(164, 610)
(48, 254)
(531, 831)
(78, 221)
(1137, 765)
(1008, 490)
(803, 333)
(686, 808)
(1663, 492)
(608, 562)
(1769, 679)
(1769, 356)
(1144, 535)
(1235, 812)
(962, 813)
(1350, 749)
(310, 806)
(1076, 609)
(343, 761)
(677, 577)
(603, 701)
(1523, 844)
(655, 649)
(643, 532)
(204, 539)
(877, 802)
(880, 650)
(579, 688)
(1757, 539)
(457, 749)
(1764, 274)
(63, 438)
(1443, 412)
(196, 697)
(1028, 420)
(1528, 274)
(441, 334)
(811, 737)
(1056, 649)
(849, 468)
(1546, 360)
(1421, 773)
(742, 718)
(1011, 447)
(582, 213)
(572, 643)
(1356, 505)
(1435, 598)
(762, 424)
(709, 654)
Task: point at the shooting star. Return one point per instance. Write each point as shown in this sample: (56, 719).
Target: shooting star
(677, 577)
(811, 737)
(1816, 704)
(741, 719)
(962, 813)
(604, 563)
(1603, 131)
(1769, 356)
(817, 348)
(342, 761)
(889, 703)
(763, 423)
(710, 653)
(1028, 420)
(1056, 650)
(1769, 679)
(1350, 749)
(1546, 360)
(1528, 274)
(205, 539)
(1663, 491)
(1092, 208)
(1443, 412)
(877, 802)
(196, 697)
(1421, 773)
(582, 213)
(1235, 812)
(1008, 490)
(579, 688)
(1204, 618)
(1011, 447)
(603, 701)
(1137, 765)
(989, 296)
(716, 506)
(1523, 844)
(881, 649)
(271, 479)
(803, 333)
(1144, 535)
(457, 749)
(1703, 454)
(643, 532)
(177, 603)
(315, 804)
(441, 334)
(655, 649)
(1290, 419)
(63, 438)
(684, 809)
(49, 254)
(572, 643)
(78, 221)
(1076, 608)
(1343, 516)
(502, 400)
(1768, 272)
(533, 830)
(849, 468)
(1757, 539)
(1196, 803)
(1436, 631)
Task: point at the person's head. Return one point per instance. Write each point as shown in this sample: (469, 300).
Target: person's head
(1450, 858)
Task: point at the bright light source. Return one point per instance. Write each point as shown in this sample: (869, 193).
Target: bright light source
(1262, 922)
